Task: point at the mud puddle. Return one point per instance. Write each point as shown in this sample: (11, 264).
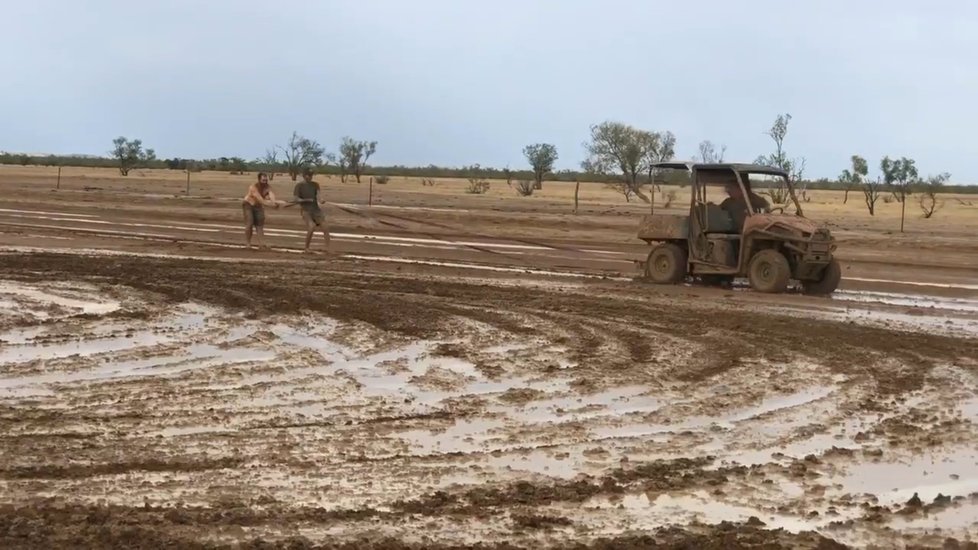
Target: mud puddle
(649, 510)
(959, 517)
(952, 472)
(39, 300)
(767, 405)
(936, 321)
(909, 300)
(35, 343)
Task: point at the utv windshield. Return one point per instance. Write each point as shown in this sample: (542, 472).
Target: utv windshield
(773, 188)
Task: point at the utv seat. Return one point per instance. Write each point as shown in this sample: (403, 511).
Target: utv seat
(718, 221)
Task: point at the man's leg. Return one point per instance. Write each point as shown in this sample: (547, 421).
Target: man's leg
(310, 228)
(321, 222)
(249, 223)
(260, 227)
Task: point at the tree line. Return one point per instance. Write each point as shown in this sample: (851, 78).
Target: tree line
(617, 154)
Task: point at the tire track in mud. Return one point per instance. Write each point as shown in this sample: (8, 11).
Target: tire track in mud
(615, 334)
(429, 308)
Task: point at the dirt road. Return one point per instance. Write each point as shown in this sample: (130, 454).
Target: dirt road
(438, 388)
(411, 237)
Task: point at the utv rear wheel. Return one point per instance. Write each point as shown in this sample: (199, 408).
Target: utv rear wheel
(666, 264)
(769, 271)
(829, 281)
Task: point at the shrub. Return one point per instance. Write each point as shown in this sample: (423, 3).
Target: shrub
(478, 186)
(525, 188)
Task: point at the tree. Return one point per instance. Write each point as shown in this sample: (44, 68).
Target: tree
(900, 175)
(661, 147)
(709, 154)
(623, 151)
(795, 168)
(541, 157)
(852, 179)
(872, 189)
(268, 163)
(237, 165)
(301, 153)
(130, 154)
(929, 203)
(354, 155)
(508, 176)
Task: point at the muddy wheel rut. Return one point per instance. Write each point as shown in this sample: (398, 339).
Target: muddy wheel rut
(153, 402)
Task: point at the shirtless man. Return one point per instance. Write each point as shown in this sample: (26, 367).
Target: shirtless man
(736, 205)
(253, 205)
(307, 197)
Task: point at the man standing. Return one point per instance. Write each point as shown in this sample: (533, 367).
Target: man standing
(307, 196)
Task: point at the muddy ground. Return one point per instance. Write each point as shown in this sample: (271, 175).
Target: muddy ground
(166, 402)
(467, 372)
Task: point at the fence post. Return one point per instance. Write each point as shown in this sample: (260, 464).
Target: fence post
(903, 208)
(58, 186)
(370, 197)
(577, 190)
(188, 182)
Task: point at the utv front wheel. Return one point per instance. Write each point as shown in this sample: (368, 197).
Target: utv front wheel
(769, 271)
(829, 281)
(666, 264)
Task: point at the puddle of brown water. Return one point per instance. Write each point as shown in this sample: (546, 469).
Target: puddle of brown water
(952, 472)
(959, 517)
(652, 511)
(909, 300)
(768, 405)
(71, 299)
(575, 407)
(104, 338)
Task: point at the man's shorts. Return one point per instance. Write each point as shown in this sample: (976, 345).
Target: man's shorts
(313, 218)
(254, 216)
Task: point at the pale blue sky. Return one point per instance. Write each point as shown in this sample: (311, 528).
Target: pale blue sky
(454, 82)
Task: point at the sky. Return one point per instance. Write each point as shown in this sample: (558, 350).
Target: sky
(460, 82)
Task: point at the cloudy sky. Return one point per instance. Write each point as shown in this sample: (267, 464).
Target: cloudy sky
(455, 82)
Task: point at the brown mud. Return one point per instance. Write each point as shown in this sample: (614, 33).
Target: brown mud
(167, 402)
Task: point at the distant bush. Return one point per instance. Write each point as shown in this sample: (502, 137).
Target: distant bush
(525, 188)
(382, 180)
(477, 186)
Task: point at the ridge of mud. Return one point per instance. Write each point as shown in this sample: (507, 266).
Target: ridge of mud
(78, 471)
(659, 475)
(56, 526)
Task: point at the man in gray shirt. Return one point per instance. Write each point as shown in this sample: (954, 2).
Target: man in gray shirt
(307, 197)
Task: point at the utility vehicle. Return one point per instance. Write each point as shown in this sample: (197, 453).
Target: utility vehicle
(770, 249)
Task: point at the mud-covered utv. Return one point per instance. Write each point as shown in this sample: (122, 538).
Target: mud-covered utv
(770, 249)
